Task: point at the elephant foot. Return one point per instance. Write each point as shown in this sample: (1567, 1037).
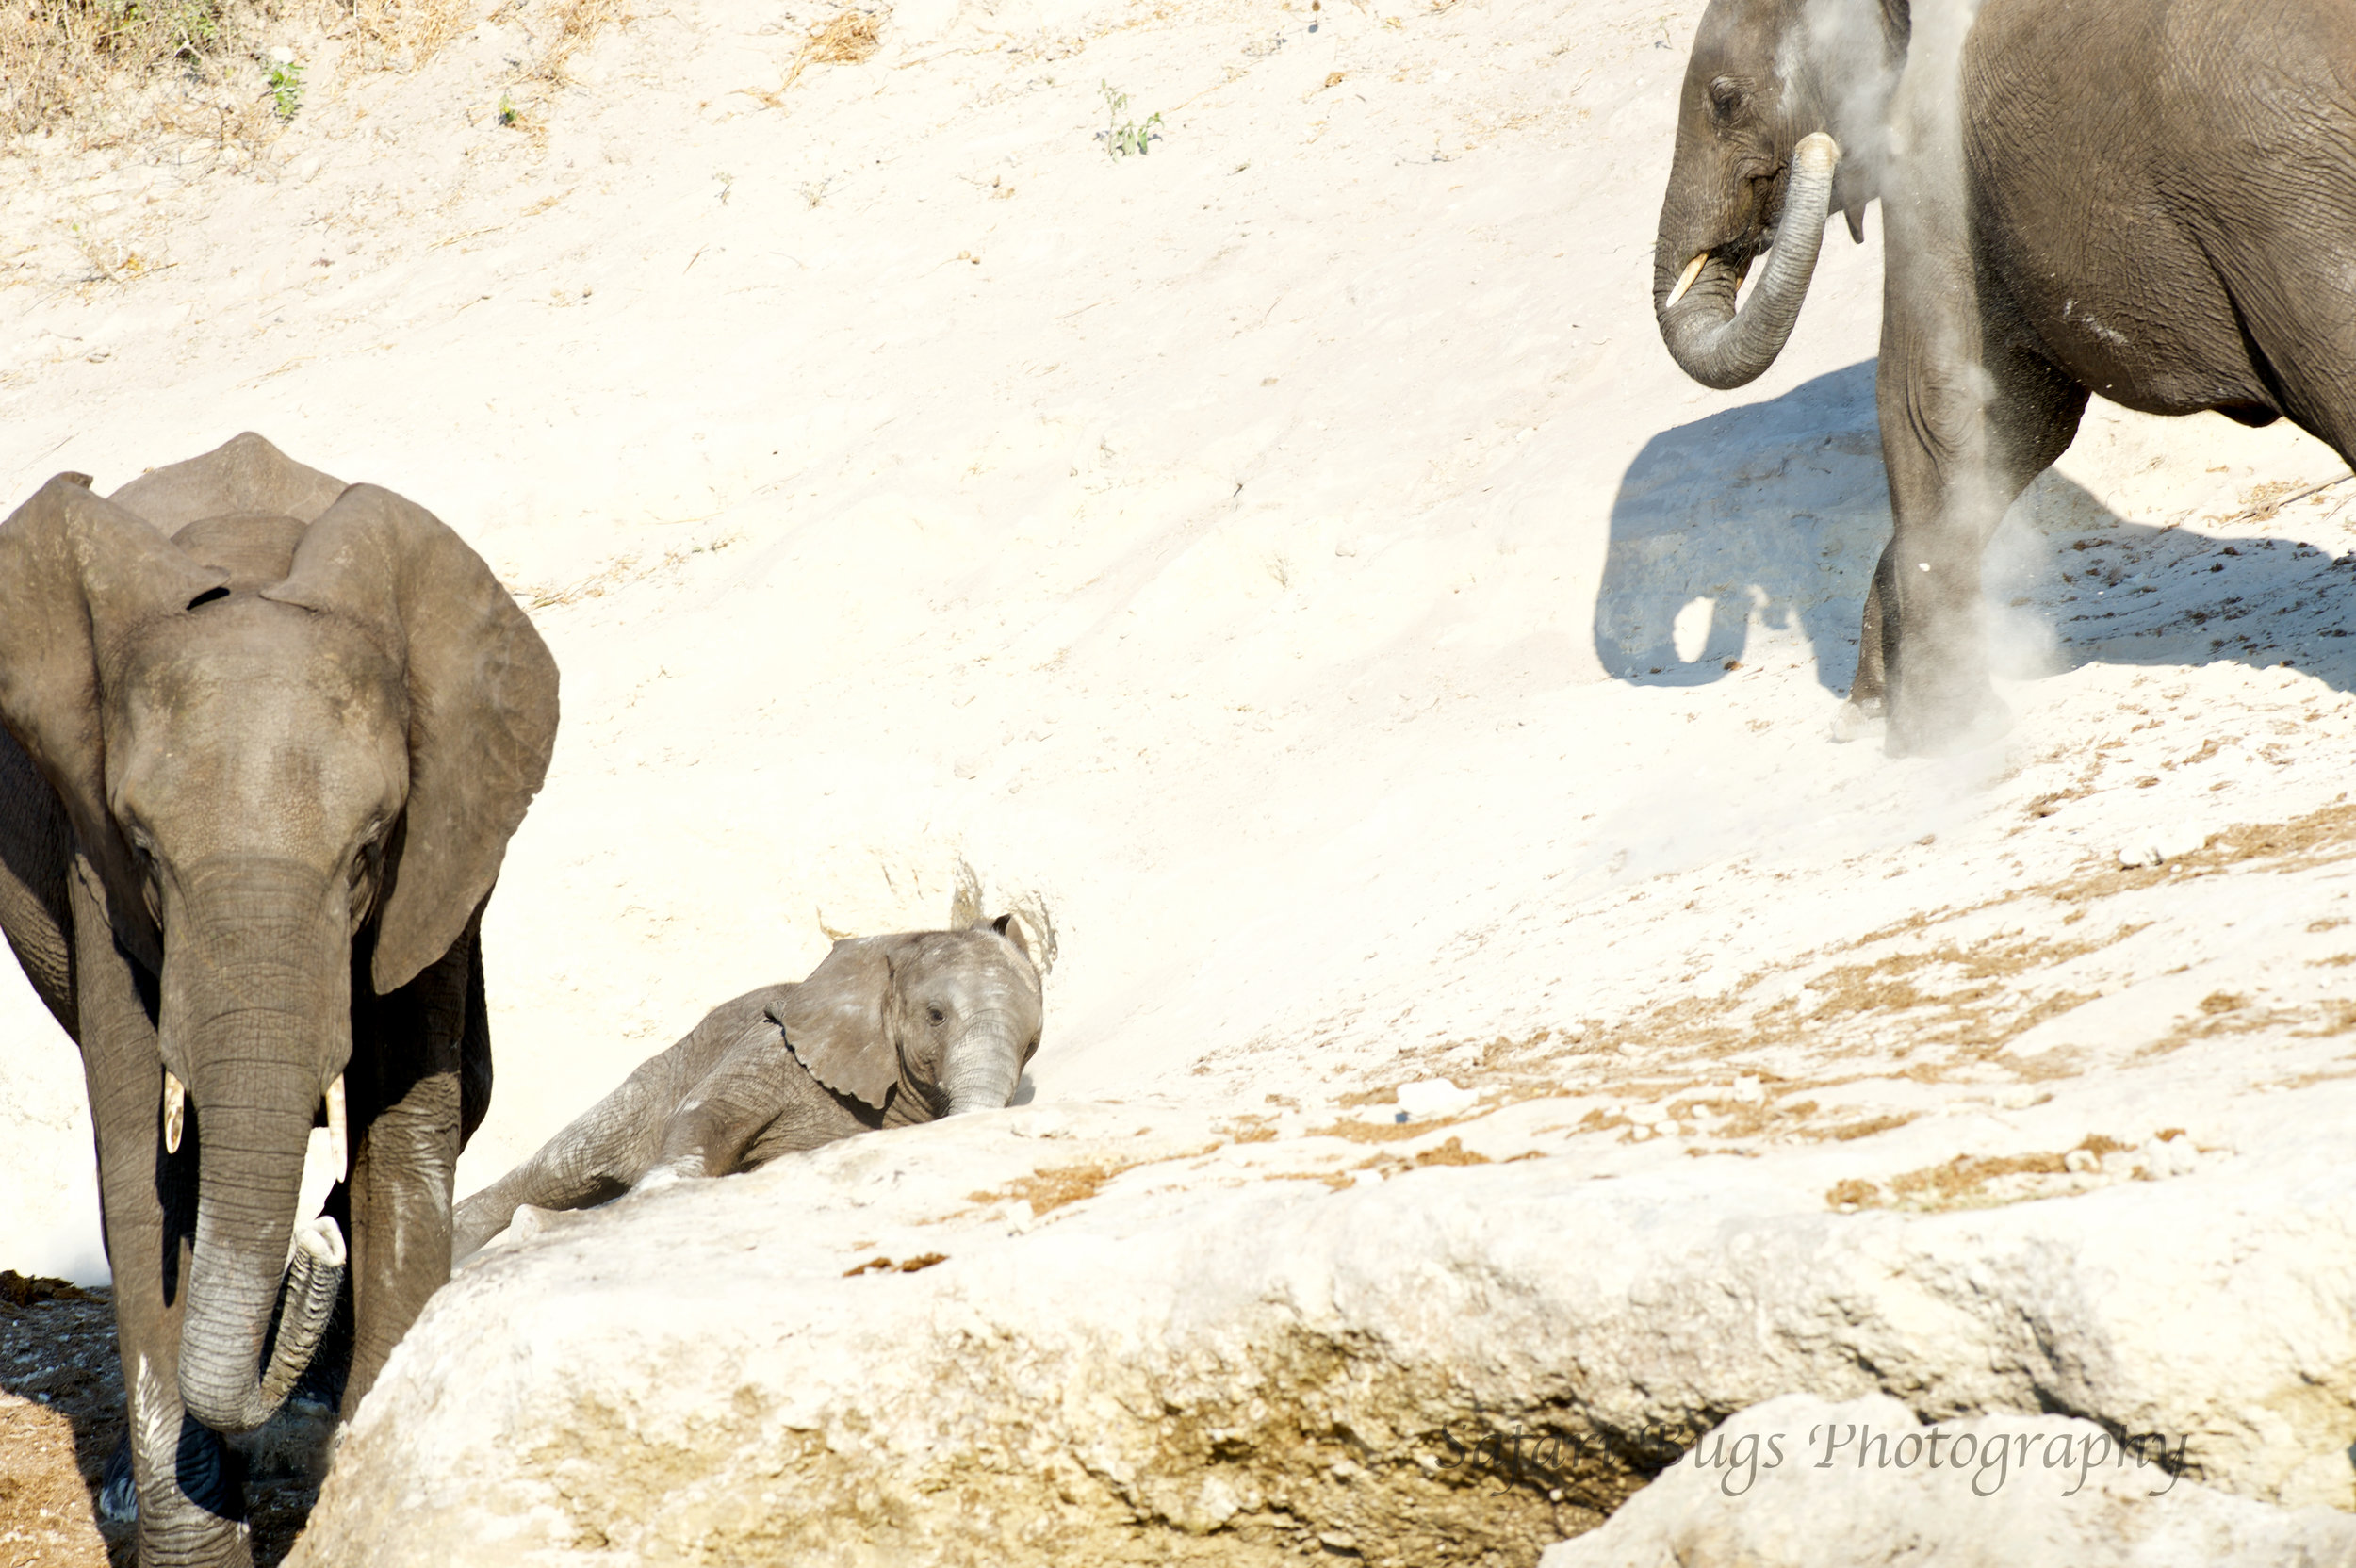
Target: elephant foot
(529, 1221)
(1857, 720)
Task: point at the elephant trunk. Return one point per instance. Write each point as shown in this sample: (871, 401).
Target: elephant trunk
(256, 1006)
(1693, 298)
(984, 1067)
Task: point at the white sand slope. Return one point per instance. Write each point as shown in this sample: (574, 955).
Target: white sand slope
(1287, 567)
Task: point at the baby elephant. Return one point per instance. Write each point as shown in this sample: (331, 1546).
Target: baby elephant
(887, 1031)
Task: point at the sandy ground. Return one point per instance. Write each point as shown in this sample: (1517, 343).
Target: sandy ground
(1284, 566)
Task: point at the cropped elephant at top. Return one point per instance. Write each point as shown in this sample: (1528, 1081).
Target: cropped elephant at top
(258, 778)
(2147, 198)
(887, 1031)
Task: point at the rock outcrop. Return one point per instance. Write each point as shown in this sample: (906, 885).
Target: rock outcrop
(1083, 1343)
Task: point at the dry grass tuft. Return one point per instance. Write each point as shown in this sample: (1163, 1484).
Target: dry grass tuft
(402, 34)
(847, 37)
(107, 71)
(578, 23)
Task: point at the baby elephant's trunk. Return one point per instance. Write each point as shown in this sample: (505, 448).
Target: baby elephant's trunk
(984, 1067)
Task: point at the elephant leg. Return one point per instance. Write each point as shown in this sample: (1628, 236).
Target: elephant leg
(606, 1149)
(1970, 411)
(405, 1103)
(598, 1155)
(731, 1107)
(1927, 588)
(1864, 704)
(188, 1485)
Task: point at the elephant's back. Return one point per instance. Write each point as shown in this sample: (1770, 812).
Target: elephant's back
(700, 1049)
(2148, 176)
(2179, 107)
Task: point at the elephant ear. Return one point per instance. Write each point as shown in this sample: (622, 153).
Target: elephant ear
(1005, 927)
(482, 706)
(834, 1020)
(245, 474)
(77, 575)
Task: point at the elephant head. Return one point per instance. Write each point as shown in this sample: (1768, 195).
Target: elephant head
(1773, 93)
(920, 1025)
(291, 741)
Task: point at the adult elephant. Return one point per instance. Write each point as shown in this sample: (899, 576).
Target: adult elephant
(2149, 198)
(258, 778)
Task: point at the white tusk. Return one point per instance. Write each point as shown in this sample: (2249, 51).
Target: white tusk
(175, 1110)
(1692, 270)
(339, 1135)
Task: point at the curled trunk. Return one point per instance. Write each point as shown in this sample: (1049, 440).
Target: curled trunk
(242, 1271)
(256, 1007)
(1693, 298)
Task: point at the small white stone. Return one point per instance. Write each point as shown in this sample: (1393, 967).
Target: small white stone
(281, 56)
(1749, 1090)
(2174, 1156)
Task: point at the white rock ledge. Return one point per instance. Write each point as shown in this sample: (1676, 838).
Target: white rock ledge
(1238, 1373)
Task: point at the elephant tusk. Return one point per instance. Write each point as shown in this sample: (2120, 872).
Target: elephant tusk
(175, 1111)
(339, 1135)
(1692, 270)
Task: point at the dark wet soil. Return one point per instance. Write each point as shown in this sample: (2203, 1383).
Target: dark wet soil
(62, 1412)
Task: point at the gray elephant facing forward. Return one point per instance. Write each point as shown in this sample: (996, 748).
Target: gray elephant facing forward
(887, 1031)
(266, 739)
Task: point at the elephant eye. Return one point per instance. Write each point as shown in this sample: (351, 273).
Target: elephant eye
(935, 1014)
(1726, 96)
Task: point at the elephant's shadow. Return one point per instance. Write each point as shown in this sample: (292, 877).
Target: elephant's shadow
(1772, 515)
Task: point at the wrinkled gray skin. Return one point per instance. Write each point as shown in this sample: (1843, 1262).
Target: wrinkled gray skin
(2149, 198)
(256, 785)
(887, 1031)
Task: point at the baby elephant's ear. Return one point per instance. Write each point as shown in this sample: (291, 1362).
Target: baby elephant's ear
(1005, 927)
(834, 1020)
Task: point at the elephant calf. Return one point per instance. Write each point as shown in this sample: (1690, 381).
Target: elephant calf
(887, 1031)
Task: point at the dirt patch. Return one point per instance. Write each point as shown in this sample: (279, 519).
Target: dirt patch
(885, 1266)
(60, 1416)
(1451, 1153)
(61, 1409)
(1249, 1128)
(1990, 1181)
(1382, 1131)
(1048, 1190)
